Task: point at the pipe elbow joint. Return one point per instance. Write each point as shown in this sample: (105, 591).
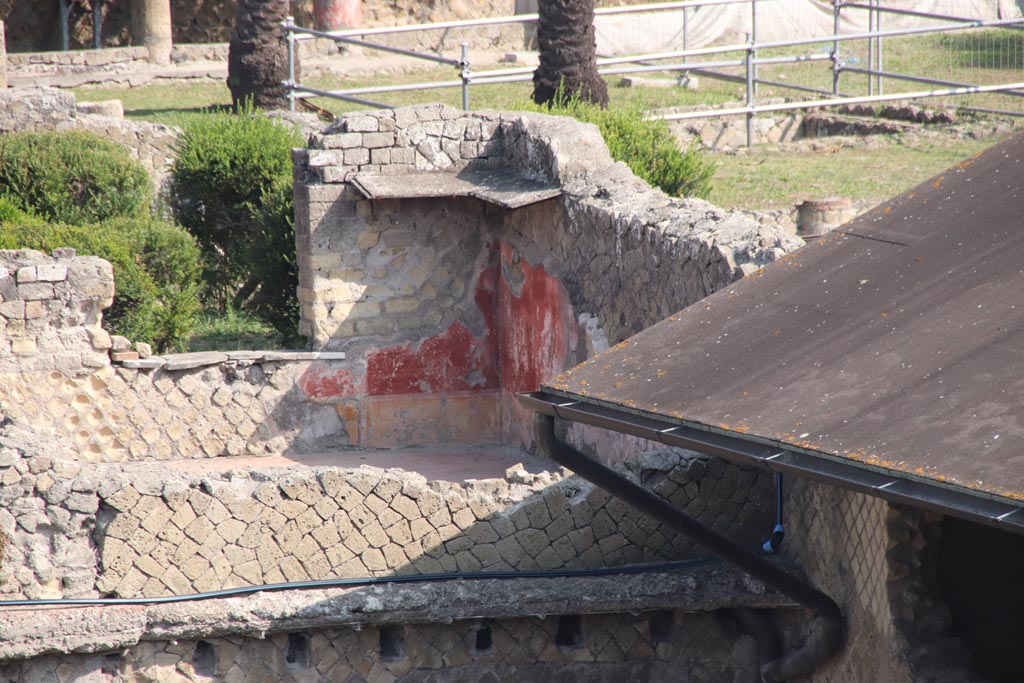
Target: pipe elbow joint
(824, 642)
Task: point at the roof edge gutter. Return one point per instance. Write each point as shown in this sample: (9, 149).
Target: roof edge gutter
(894, 487)
(827, 632)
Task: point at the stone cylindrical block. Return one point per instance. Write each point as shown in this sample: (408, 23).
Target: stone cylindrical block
(151, 28)
(816, 217)
(331, 15)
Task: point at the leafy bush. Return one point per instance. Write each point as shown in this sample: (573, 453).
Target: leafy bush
(156, 269)
(647, 146)
(72, 177)
(233, 191)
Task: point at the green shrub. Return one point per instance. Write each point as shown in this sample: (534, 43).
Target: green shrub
(156, 267)
(72, 177)
(233, 192)
(647, 146)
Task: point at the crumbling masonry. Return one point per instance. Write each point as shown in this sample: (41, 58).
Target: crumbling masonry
(393, 448)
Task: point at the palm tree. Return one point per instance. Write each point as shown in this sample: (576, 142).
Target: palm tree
(568, 53)
(258, 55)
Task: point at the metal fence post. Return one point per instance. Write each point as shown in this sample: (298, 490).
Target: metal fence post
(836, 6)
(750, 91)
(289, 24)
(686, 28)
(753, 38)
(871, 47)
(878, 50)
(464, 75)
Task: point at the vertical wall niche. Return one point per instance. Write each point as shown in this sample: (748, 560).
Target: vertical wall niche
(484, 638)
(662, 626)
(298, 652)
(570, 631)
(391, 638)
(979, 574)
(204, 659)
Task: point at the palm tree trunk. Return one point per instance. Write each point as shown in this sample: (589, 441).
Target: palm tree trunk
(258, 54)
(568, 53)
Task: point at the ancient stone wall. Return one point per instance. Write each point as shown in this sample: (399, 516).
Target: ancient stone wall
(35, 109)
(79, 530)
(871, 557)
(50, 311)
(668, 647)
(198, 406)
(31, 109)
(447, 307)
(152, 144)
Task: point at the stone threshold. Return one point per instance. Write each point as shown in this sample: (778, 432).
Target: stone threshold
(32, 631)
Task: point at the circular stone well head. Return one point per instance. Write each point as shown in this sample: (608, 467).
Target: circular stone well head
(816, 217)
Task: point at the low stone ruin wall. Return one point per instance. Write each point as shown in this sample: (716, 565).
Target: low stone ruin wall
(447, 307)
(74, 530)
(39, 109)
(127, 479)
(609, 648)
(32, 109)
(50, 312)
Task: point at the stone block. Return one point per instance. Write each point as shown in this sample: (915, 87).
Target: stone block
(51, 272)
(356, 156)
(35, 291)
(13, 309)
(374, 560)
(26, 274)
(109, 108)
(377, 140)
(23, 346)
(362, 124)
(342, 141)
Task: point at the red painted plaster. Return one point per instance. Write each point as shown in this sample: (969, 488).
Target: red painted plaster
(330, 15)
(321, 383)
(452, 361)
(530, 330)
(537, 326)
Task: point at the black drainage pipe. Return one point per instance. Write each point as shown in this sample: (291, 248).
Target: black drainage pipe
(827, 633)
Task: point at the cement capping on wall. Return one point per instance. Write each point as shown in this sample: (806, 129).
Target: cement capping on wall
(706, 588)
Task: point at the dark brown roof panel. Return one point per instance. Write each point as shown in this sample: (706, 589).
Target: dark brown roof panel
(896, 343)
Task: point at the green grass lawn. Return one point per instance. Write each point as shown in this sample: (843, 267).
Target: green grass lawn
(770, 178)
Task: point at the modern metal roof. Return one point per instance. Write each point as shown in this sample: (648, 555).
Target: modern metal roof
(887, 356)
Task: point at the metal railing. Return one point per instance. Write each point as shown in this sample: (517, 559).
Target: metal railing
(356, 37)
(714, 61)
